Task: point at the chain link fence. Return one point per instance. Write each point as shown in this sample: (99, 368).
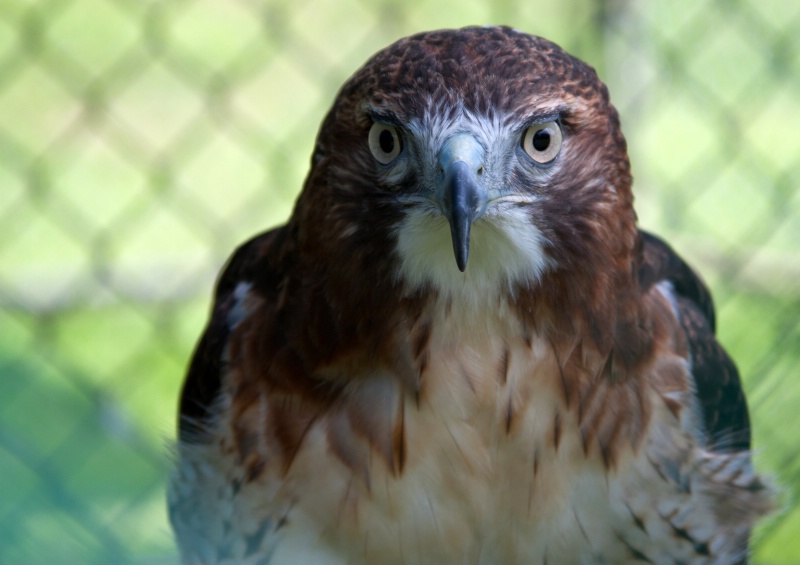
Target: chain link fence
(141, 140)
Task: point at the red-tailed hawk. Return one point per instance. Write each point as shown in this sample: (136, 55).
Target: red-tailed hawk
(553, 394)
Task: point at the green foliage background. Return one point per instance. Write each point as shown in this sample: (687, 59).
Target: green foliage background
(141, 140)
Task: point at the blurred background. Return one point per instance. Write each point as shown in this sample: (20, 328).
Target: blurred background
(141, 140)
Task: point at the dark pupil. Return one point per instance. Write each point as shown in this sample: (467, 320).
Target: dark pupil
(386, 139)
(541, 140)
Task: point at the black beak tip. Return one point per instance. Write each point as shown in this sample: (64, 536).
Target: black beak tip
(460, 234)
(461, 261)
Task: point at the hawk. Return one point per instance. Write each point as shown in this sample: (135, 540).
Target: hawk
(460, 349)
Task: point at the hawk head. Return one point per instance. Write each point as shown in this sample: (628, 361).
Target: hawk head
(471, 162)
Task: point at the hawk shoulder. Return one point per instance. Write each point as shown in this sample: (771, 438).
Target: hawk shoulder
(253, 262)
(718, 388)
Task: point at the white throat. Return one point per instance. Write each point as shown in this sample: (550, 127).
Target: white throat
(506, 251)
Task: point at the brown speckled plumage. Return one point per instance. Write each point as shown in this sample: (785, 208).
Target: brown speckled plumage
(356, 398)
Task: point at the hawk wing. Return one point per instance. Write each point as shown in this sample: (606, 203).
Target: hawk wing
(718, 386)
(252, 261)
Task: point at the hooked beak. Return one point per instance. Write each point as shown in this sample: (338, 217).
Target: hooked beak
(463, 198)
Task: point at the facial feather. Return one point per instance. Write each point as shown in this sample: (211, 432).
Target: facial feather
(507, 252)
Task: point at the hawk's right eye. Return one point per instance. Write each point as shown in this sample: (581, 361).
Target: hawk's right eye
(384, 143)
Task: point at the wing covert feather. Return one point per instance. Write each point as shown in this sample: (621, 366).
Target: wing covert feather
(203, 381)
(718, 387)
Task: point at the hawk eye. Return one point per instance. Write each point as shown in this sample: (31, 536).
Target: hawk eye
(384, 143)
(542, 142)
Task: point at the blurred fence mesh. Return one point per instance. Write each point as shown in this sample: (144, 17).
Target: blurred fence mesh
(140, 140)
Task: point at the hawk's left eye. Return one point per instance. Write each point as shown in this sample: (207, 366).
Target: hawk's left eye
(384, 143)
(542, 142)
